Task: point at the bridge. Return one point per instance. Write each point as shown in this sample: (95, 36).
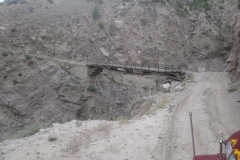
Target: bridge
(173, 70)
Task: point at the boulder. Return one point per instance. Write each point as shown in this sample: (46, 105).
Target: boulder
(119, 24)
(43, 33)
(166, 87)
(52, 137)
(178, 88)
(105, 53)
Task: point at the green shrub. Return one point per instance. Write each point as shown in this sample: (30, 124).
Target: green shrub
(46, 7)
(95, 14)
(5, 54)
(179, 4)
(197, 4)
(23, 2)
(221, 7)
(15, 82)
(50, 1)
(206, 46)
(5, 76)
(91, 88)
(26, 132)
(28, 57)
(101, 25)
(232, 89)
(20, 74)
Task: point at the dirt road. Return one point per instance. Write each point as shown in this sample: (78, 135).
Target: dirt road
(215, 117)
(164, 135)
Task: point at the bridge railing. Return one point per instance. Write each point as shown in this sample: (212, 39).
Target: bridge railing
(134, 65)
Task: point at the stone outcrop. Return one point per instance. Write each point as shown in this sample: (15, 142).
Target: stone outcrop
(234, 58)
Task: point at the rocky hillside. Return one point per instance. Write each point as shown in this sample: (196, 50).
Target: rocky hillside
(234, 58)
(44, 46)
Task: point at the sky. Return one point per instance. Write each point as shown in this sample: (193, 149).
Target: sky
(1, 1)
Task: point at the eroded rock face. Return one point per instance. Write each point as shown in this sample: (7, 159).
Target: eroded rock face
(234, 58)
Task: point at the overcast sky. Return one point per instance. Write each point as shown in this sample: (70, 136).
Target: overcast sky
(1, 0)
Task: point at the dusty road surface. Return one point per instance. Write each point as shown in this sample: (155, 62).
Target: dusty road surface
(162, 135)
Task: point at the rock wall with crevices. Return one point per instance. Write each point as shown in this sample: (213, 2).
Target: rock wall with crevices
(234, 58)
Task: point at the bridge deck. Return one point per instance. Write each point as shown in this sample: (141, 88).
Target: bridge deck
(162, 68)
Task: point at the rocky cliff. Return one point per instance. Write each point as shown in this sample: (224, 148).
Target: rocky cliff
(234, 58)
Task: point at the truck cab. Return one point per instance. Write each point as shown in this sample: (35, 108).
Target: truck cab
(232, 149)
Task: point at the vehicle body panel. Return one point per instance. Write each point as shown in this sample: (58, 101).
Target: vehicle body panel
(232, 150)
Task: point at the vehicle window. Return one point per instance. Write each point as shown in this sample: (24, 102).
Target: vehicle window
(228, 150)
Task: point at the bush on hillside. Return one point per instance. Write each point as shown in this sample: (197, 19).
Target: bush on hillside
(95, 14)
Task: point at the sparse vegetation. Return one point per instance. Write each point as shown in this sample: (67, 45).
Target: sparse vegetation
(104, 128)
(221, 7)
(113, 148)
(162, 104)
(238, 6)
(101, 24)
(184, 52)
(91, 88)
(46, 7)
(96, 13)
(123, 119)
(99, 1)
(232, 89)
(198, 4)
(179, 4)
(143, 21)
(133, 103)
(15, 82)
(28, 57)
(5, 54)
(50, 1)
(206, 45)
(26, 132)
(66, 70)
(126, 0)
(20, 74)
(5, 76)
(23, 1)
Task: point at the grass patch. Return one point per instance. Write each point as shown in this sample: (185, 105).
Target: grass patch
(92, 88)
(113, 148)
(232, 89)
(123, 119)
(26, 132)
